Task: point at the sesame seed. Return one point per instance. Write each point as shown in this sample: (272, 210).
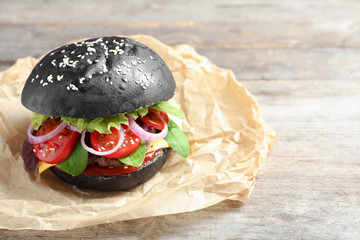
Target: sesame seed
(104, 68)
(32, 80)
(45, 84)
(147, 75)
(59, 77)
(114, 41)
(81, 80)
(97, 60)
(120, 51)
(151, 57)
(72, 87)
(41, 81)
(90, 76)
(89, 61)
(34, 150)
(140, 70)
(90, 49)
(53, 62)
(62, 51)
(37, 76)
(49, 78)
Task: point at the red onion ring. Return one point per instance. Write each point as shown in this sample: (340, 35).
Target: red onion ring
(72, 128)
(139, 131)
(93, 151)
(39, 139)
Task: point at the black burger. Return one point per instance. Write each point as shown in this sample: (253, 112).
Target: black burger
(103, 116)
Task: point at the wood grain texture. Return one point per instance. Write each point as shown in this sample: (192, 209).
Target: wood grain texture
(300, 59)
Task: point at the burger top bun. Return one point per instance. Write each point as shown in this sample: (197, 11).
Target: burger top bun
(97, 78)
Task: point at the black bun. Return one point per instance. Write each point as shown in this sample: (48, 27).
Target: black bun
(97, 78)
(115, 183)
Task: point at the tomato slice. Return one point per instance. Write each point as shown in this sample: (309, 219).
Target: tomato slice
(153, 118)
(96, 170)
(106, 142)
(57, 148)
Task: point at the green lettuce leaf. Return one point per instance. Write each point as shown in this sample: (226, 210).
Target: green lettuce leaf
(177, 139)
(102, 125)
(38, 119)
(76, 163)
(136, 158)
(142, 111)
(168, 108)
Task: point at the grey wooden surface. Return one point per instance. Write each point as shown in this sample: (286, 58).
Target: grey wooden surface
(300, 59)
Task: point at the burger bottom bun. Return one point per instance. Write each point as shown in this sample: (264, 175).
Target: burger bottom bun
(116, 183)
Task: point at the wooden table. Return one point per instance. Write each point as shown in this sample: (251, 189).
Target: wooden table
(301, 60)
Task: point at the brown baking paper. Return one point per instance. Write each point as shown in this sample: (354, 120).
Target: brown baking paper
(229, 142)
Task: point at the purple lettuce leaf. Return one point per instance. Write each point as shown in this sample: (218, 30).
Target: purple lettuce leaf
(28, 155)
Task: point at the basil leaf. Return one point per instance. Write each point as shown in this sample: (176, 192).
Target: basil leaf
(76, 163)
(136, 158)
(168, 108)
(177, 139)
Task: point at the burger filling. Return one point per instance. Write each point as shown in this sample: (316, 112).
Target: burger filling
(105, 146)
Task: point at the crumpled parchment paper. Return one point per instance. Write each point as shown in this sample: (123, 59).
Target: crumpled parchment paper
(229, 142)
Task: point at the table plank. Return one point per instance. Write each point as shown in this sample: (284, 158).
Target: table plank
(259, 60)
